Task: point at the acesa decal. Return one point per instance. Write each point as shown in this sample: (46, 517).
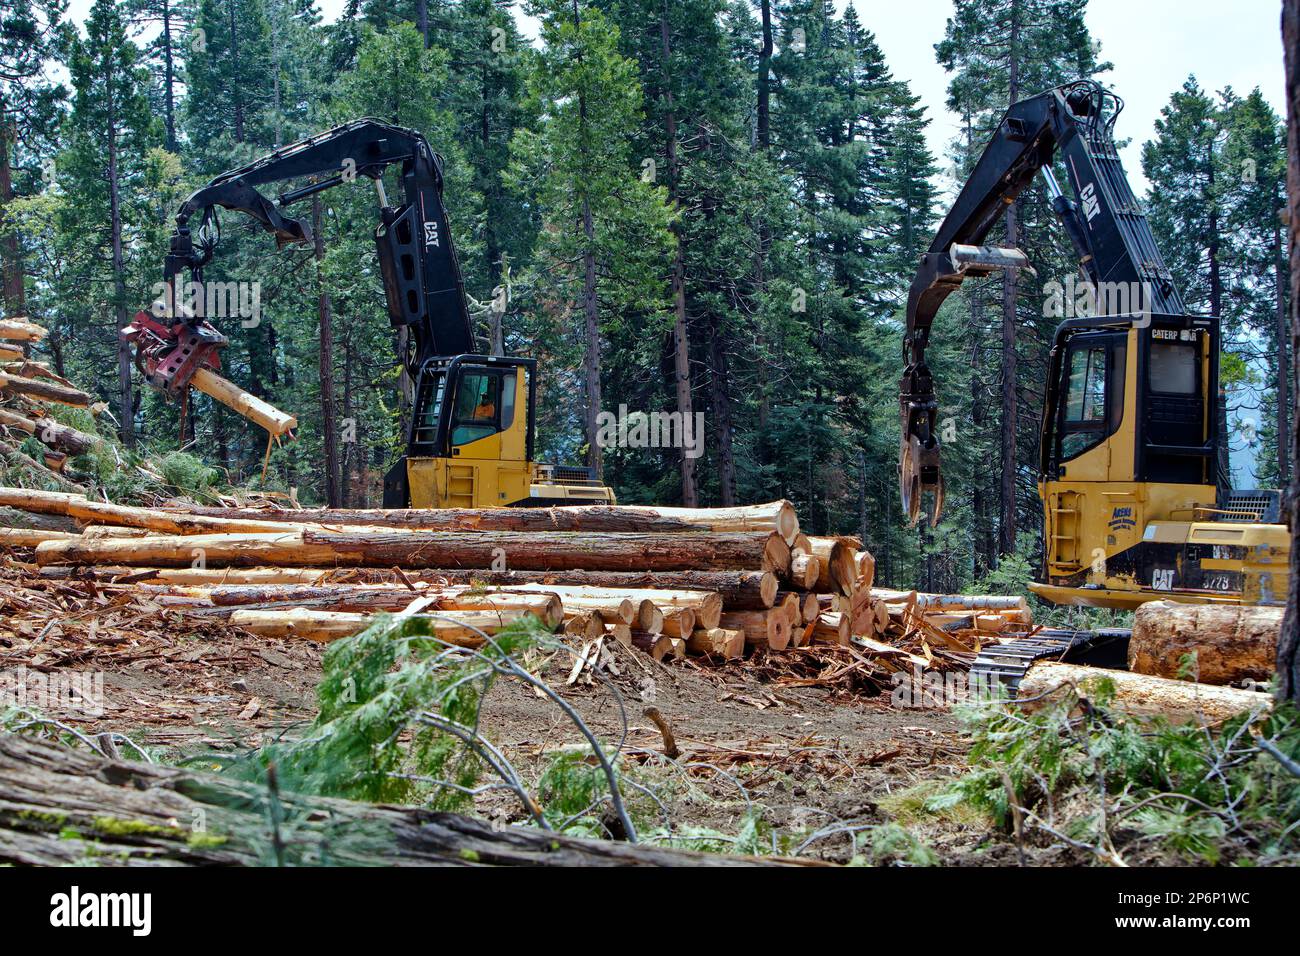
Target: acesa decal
(1121, 519)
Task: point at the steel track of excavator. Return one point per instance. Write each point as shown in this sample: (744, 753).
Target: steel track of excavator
(999, 668)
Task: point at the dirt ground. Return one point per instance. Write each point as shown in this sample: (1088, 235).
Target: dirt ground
(809, 758)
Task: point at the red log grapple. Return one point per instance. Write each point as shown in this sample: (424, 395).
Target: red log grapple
(168, 354)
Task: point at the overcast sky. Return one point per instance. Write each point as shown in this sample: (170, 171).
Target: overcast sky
(1154, 45)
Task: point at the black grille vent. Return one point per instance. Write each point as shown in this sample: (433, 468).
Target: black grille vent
(1253, 506)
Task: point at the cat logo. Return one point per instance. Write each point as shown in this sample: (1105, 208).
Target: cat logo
(1162, 579)
(1091, 204)
(431, 233)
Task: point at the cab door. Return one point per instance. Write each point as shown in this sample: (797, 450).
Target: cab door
(1078, 461)
(488, 461)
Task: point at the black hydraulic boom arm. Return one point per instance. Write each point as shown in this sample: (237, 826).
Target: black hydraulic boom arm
(421, 276)
(1075, 124)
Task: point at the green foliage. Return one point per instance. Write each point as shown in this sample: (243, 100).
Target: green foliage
(188, 474)
(376, 688)
(1186, 792)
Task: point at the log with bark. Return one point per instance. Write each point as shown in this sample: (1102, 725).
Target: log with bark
(410, 549)
(769, 629)
(244, 403)
(44, 390)
(20, 329)
(57, 804)
(54, 434)
(831, 628)
(87, 510)
(1231, 643)
(594, 518)
(454, 627)
(837, 565)
(364, 598)
(657, 646)
(717, 641)
(1142, 695)
(31, 537)
(774, 516)
(738, 590)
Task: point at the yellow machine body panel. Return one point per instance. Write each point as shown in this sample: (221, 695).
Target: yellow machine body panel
(1113, 541)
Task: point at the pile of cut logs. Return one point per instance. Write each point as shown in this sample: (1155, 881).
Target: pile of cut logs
(669, 581)
(28, 389)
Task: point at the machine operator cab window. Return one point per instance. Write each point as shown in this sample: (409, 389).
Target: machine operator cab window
(485, 405)
(1093, 392)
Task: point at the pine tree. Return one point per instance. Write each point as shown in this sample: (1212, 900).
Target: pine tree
(111, 130)
(605, 232)
(30, 33)
(998, 52)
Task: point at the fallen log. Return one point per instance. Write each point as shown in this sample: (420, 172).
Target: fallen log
(56, 435)
(46, 391)
(388, 548)
(1142, 695)
(14, 458)
(244, 403)
(774, 516)
(369, 598)
(678, 621)
(657, 646)
(804, 571)
(837, 566)
(831, 628)
(595, 518)
(8, 354)
(769, 629)
(1231, 643)
(738, 590)
(55, 801)
(20, 329)
(86, 510)
(717, 641)
(31, 537)
(454, 627)
(866, 565)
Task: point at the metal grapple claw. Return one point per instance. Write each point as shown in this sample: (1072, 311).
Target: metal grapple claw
(918, 451)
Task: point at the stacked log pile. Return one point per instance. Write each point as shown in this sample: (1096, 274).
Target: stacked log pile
(28, 391)
(668, 581)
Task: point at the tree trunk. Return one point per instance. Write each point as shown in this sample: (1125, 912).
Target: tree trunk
(422, 20)
(764, 82)
(1223, 463)
(1282, 336)
(237, 89)
(15, 294)
(1139, 695)
(681, 337)
(329, 420)
(126, 400)
(54, 801)
(371, 547)
(169, 78)
(591, 354)
(1288, 645)
(1230, 644)
(720, 387)
(739, 590)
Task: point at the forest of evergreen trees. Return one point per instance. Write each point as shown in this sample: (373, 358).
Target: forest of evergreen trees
(705, 206)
